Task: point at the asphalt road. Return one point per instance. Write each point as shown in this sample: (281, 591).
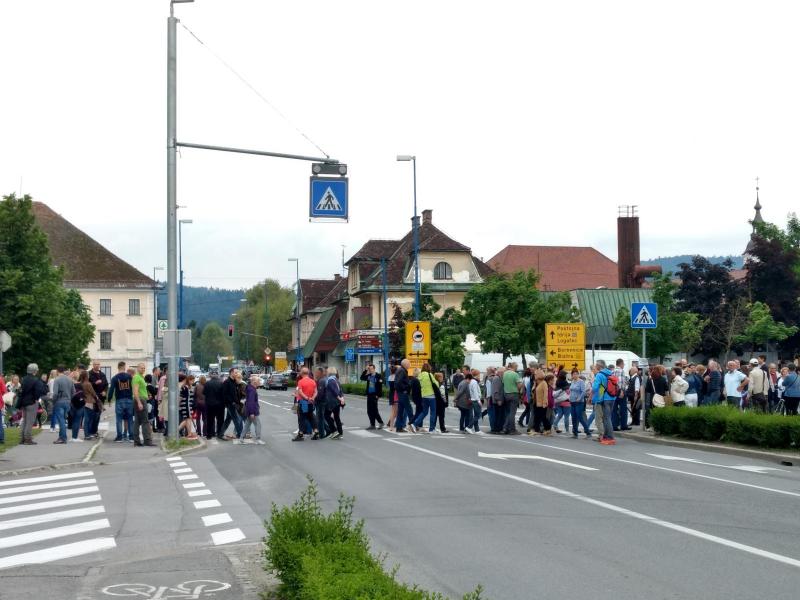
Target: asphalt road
(524, 517)
(559, 516)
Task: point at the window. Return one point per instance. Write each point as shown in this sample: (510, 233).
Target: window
(134, 309)
(442, 270)
(105, 340)
(107, 371)
(105, 306)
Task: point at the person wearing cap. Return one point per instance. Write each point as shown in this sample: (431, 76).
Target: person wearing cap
(759, 386)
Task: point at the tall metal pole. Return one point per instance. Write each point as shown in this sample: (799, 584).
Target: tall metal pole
(416, 245)
(172, 214)
(385, 326)
(180, 275)
(643, 393)
(297, 304)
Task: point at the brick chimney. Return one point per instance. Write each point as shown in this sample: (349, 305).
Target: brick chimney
(337, 276)
(427, 216)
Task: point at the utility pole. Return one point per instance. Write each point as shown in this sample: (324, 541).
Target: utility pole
(385, 326)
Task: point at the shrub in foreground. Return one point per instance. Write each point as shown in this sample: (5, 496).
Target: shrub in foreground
(728, 424)
(327, 557)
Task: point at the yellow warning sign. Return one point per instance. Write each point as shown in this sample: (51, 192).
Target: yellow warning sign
(418, 342)
(565, 344)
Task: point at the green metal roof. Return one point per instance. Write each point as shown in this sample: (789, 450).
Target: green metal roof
(316, 334)
(599, 308)
(342, 346)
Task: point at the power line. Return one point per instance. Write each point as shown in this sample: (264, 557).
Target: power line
(254, 90)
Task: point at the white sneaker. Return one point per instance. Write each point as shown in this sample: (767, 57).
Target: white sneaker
(435, 431)
(479, 432)
(52, 430)
(76, 440)
(237, 441)
(424, 431)
(260, 442)
(412, 427)
(469, 431)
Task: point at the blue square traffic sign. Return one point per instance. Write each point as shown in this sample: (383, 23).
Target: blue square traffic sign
(328, 198)
(644, 315)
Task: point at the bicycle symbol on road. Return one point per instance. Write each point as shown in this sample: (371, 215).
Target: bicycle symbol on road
(188, 590)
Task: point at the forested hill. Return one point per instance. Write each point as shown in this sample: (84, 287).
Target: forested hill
(204, 304)
(670, 263)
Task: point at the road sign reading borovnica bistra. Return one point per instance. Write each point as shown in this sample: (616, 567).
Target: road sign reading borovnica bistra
(565, 344)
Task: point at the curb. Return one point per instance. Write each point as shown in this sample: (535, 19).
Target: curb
(792, 459)
(83, 463)
(190, 450)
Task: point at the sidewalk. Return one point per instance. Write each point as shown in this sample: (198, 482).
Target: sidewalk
(785, 457)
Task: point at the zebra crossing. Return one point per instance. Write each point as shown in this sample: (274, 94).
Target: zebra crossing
(52, 517)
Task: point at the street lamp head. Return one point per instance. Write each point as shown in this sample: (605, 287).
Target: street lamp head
(405, 157)
(233, 314)
(185, 221)
(293, 260)
(158, 268)
(242, 299)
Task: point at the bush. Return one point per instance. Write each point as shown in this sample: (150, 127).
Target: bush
(327, 557)
(359, 389)
(725, 423)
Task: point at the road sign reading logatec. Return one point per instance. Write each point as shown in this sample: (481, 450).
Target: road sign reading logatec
(328, 199)
(644, 315)
(565, 344)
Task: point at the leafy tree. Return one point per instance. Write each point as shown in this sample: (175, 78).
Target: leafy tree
(213, 342)
(762, 328)
(673, 325)
(397, 339)
(726, 331)
(507, 313)
(708, 289)
(773, 269)
(48, 323)
(448, 339)
(256, 328)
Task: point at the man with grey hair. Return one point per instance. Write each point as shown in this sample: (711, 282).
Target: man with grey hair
(512, 386)
(31, 390)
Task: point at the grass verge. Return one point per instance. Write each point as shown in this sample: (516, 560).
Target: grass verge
(180, 444)
(13, 436)
(728, 424)
(321, 556)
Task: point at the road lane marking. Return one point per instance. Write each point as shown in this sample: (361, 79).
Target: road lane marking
(748, 468)
(51, 504)
(364, 434)
(173, 458)
(787, 560)
(185, 477)
(52, 533)
(227, 536)
(58, 552)
(200, 504)
(54, 516)
(217, 519)
(52, 494)
(195, 493)
(533, 457)
(183, 470)
(46, 486)
(177, 464)
(47, 478)
(659, 468)
(189, 486)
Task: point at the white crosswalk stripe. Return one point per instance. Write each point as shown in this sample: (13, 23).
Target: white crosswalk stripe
(39, 532)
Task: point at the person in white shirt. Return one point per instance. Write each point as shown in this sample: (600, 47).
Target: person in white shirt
(734, 383)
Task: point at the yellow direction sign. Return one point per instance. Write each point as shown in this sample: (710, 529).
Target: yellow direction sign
(418, 342)
(565, 344)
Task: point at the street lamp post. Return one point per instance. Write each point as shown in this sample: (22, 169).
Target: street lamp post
(181, 223)
(246, 339)
(415, 228)
(155, 311)
(297, 310)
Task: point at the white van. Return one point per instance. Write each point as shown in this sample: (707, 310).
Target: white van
(194, 370)
(611, 356)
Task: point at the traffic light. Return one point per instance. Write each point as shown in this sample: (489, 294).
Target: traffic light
(230, 330)
(267, 358)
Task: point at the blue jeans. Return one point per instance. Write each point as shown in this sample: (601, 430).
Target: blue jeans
(619, 413)
(490, 413)
(2, 428)
(608, 408)
(233, 415)
(60, 411)
(578, 410)
(712, 397)
(404, 410)
(428, 405)
(477, 413)
(78, 415)
(465, 421)
(565, 412)
(123, 410)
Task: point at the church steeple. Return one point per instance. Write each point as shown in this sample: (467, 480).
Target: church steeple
(756, 219)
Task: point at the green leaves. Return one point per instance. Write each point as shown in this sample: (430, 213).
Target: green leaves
(49, 324)
(762, 328)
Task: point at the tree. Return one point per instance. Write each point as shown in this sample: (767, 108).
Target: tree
(773, 273)
(251, 333)
(397, 340)
(48, 323)
(708, 289)
(213, 342)
(507, 313)
(674, 326)
(724, 332)
(762, 329)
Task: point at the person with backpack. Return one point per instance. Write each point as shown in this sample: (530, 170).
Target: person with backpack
(791, 390)
(619, 411)
(604, 393)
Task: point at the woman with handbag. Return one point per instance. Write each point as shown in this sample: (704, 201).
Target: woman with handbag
(464, 403)
(563, 408)
(659, 386)
(541, 395)
(678, 387)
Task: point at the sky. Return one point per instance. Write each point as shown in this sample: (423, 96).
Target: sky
(531, 123)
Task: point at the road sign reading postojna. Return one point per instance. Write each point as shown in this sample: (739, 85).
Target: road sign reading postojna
(565, 344)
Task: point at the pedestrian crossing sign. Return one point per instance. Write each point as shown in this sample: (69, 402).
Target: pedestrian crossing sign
(644, 315)
(328, 199)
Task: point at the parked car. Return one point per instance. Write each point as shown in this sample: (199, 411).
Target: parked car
(276, 381)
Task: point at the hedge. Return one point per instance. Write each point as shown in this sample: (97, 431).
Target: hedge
(327, 557)
(727, 424)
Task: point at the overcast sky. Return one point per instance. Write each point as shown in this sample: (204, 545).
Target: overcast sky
(532, 121)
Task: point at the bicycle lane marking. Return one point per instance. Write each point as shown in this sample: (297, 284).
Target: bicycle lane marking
(787, 560)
